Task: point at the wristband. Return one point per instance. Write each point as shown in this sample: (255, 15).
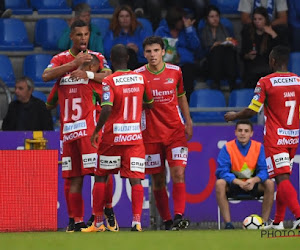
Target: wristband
(90, 74)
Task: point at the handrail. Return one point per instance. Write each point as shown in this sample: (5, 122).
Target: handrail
(215, 109)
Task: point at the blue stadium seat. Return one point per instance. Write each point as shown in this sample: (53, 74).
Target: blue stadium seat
(226, 23)
(241, 98)
(102, 24)
(39, 94)
(34, 66)
(147, 25)
(48, 31)
(204, 98)
(227, 6)
(97, 6)
(294, 63)
(19, 7)
(13, 35)
(6, 71)
(51, 6)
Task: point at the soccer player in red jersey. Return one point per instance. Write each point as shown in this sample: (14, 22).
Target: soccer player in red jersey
(122, 147)
(68, 62)
(279, 93)
(165, 133)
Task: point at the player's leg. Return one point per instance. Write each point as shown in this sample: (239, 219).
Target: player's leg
(221, 189)
(155, 166)
(268, 189)
(137, 197)
(71, 225)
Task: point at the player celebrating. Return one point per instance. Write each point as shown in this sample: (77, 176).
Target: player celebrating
(61, 65)
(279, 93)
(164, 132)
(122, 145)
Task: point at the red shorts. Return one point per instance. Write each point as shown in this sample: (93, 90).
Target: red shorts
(79, 158)
(175, 152)
(279, 160)
(128, 159)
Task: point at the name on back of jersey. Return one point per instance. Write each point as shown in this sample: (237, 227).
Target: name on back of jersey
(128, 79)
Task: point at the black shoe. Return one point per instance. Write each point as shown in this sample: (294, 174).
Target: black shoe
(71, 226)
(168, 225)
(180, 223)
(78, 226)
(111, 222)
(90, 221)
(229, 225)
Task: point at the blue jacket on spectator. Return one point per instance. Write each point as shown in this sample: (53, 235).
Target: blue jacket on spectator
(294, 13)
(188, 44)
(224, 163)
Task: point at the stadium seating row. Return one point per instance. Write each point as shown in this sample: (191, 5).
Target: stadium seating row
(21, 7)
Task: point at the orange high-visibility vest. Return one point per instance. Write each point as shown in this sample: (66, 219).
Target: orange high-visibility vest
(243, 166)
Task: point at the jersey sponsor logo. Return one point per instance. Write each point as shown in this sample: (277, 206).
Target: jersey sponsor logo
(131, 90)
(285, 81)
(128, 80)
(180, 153)
(156, 92)
(289, 94)
(281, 160)
(126, 128)
(74, 135)
(288, 132)
(128, 138)
(66, 164)
(67, 80)
(257, 90)
(105, 88)
(163, 96)
(256, 97)
(169, 81)
(270, 165)
(152, 161)
(89, 160)
(74, 126)
(141, 69)
(137, 164)
(171, 66)
(109, 162)
(106, 96)
(143, 120)
(290, 141)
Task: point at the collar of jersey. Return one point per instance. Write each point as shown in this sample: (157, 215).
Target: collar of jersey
(123, 70)
(157, 72)
(283, 72)
(86, 51)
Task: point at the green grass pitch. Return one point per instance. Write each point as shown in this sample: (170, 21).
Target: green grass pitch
(188, 239)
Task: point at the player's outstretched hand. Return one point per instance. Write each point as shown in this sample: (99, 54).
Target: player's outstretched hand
(94, 140)
(230, 116)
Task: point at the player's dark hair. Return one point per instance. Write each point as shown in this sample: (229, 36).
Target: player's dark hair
(244, 121)
(78, 23)
(152, 40)
(95, 60)
(281, 54)
(119, 54)
(81, 8)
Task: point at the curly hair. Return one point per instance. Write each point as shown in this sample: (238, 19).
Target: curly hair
(115, 25)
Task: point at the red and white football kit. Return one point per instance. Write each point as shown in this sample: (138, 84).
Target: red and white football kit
(122, 145)
(163, 126)
(279, 93)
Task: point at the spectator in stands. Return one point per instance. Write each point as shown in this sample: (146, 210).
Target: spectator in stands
(294, 24)
(181, 44)
(257, 42)
(242, 170)
(220, 49)
(27, 113)
(277, 10)
(125, 29)
(83, 12)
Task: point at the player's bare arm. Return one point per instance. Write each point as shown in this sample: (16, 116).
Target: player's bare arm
(53, 73)
(105, 113)
(184, 107)
(98, 77)
(243, 114)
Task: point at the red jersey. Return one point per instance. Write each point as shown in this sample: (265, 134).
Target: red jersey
(77, 100)
(124, 90)
(279, 93)
(66, 56)
(164, 118)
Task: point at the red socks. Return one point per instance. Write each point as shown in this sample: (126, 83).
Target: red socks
(98, 198)
(162, 204)
(179, 198)
(67, 185)
(287, 197)
(137, 196)
(76, 205)
(109, 192)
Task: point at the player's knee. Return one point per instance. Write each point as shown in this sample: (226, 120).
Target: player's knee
(268, 186)
(220, 186)
(177, 175)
